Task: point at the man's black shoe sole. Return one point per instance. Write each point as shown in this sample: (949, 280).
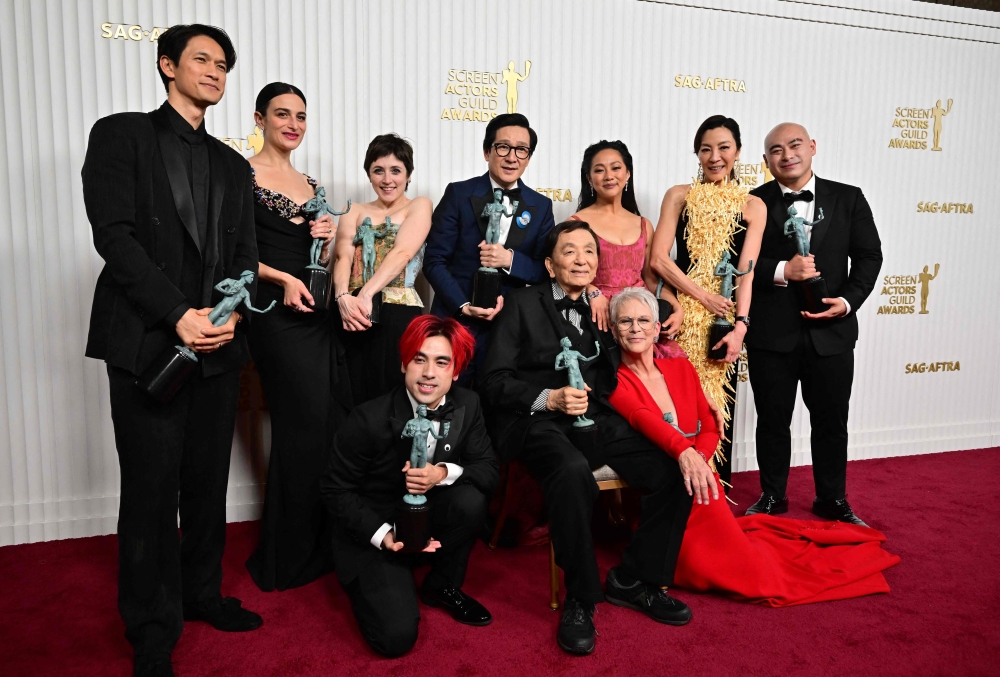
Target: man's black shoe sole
(635, 607)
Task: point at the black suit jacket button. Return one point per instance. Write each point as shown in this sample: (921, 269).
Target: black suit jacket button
(231, 230)
(155, 221)
(161, 265)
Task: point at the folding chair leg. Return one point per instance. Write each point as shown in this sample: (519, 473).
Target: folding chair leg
(553, 578)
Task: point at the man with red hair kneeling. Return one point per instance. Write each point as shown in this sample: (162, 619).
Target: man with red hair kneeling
(369, 473)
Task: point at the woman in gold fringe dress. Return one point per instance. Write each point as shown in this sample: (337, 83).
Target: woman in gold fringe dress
(707, 218)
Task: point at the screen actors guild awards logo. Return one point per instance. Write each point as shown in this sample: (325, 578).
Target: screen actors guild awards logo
(511, 77)
(479, 92)
(254, 141)
(915, 126)
(902, 292)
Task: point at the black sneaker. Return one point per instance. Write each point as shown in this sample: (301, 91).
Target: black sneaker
(576, 629)
(647, 599)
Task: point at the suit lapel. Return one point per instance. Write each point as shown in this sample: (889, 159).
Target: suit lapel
(216, 193)
(444, 451)
(401, 413)
(825, 200)
(516, 233)
(180, 185)
(481, 196)
(777, 213)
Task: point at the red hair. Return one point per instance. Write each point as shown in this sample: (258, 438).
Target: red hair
(423, 327)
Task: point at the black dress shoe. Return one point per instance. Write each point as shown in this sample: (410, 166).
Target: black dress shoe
(226, 614)
(460, 606)
(576, 628)
(645, 598)
(153, 667)
(838, 510)
(769, 505)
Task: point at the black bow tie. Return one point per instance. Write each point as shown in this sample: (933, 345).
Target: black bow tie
(565, 303)
(442, 413)
(804, 196)
(513, 195)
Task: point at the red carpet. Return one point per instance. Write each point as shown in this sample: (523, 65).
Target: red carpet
(58, 612)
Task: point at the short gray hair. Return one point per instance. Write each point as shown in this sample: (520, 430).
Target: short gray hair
(634, 294)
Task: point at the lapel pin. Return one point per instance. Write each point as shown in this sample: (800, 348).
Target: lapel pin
(523, 220)
(447, 447)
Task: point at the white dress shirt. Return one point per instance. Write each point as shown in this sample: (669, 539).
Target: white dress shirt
(806, 211)
(454, 470)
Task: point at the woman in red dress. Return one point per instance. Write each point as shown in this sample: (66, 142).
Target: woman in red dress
(760, 558)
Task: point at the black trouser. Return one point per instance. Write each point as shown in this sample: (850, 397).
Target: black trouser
(826, 392)
(725, 468)
(570, 491)
(384, 597)
(171, 456)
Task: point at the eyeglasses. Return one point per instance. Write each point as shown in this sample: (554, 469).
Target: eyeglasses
(503, 150)
(625, 323)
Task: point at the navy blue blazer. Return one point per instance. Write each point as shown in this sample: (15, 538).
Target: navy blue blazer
(457, 228)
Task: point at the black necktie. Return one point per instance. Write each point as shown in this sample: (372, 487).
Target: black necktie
(804, 196)
(579, 305)
(442, 413)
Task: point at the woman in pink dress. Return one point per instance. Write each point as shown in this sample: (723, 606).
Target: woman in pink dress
(607, 203)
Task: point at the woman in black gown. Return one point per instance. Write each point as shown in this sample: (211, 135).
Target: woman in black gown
(717, 144)
(295, 352)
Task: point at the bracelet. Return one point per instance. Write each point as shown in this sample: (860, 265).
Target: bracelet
(343, 293)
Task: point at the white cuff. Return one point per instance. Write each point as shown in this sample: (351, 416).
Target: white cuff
(541, 400)
(380, 534)
(507, 269)
(779, 274)
(454, 472)
(846, 304)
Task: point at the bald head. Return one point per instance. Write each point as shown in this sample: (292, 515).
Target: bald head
(783, 131)
(788, 152)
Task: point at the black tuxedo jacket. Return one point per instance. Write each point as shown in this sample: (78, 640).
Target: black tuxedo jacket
(138, 200)
(520, 364)
(847, 231)
(363, 483)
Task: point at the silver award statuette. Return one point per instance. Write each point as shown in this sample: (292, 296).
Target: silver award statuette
(721, 327)
(315, 276)
(815, 289)
(486, 284)
(412, 523)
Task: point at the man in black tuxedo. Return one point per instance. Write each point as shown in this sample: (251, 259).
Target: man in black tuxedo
(369, 473)
(172, 214)
(531, 412)
(787, 345)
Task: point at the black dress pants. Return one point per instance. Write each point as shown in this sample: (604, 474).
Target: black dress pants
(568, 484)
(172, 456)
(384, 596)
(826, 392)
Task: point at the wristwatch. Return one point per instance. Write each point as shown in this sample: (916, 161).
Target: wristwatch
(594, 294)
(744, 319)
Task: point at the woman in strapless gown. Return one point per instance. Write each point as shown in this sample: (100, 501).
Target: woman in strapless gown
(607, 203)
(300, 362)
(396, 227)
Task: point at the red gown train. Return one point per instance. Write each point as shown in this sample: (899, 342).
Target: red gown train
(768, 560)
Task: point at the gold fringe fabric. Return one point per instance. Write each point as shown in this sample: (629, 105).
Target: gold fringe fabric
(713, 213)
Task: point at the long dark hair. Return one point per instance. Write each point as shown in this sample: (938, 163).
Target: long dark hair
(272, 90)
(716, 122)
(587, 197)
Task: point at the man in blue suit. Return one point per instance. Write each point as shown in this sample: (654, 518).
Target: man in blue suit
(456, 245)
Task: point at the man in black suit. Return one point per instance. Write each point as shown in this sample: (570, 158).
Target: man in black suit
(531, 412)
(786, 345)
(172, 214)
(369, 473)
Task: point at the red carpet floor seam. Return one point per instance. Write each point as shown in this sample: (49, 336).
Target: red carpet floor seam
(58, 613)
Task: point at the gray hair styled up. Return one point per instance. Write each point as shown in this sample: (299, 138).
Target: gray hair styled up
(634, 294)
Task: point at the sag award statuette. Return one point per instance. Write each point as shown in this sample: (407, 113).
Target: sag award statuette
(584, 434)
(366, 236)
(171, 370)
(486, 284)
(814, 290)
(412, 524)
(315, 276)
(722, 326)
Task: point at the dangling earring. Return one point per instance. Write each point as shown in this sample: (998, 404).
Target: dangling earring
(592, 191)
(701, 173)
(626, 187)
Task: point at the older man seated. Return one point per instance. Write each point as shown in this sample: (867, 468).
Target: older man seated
(530, 413)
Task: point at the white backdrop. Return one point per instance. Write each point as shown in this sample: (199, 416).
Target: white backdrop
(607, 69)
